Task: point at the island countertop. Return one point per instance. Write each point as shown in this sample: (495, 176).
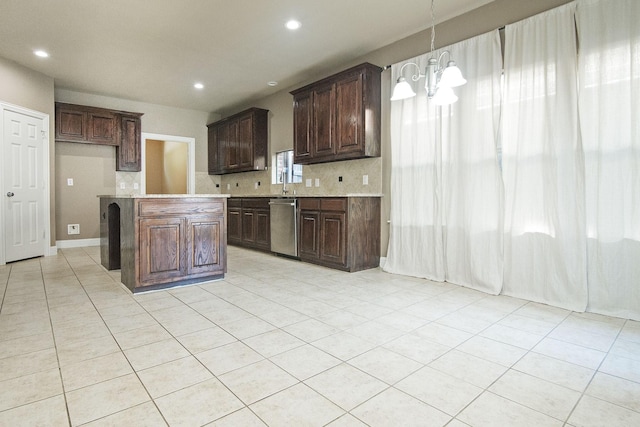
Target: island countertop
(162, 196)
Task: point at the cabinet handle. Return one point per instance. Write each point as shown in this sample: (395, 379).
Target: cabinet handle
(10, 194)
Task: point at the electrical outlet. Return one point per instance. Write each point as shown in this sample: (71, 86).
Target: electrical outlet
(317, 182)
(307, 183)
(73, 228)
(339, 179)
(365, 179)
(122, 185)
(70, 182)
(135, 186)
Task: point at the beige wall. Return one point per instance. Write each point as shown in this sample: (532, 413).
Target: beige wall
(29, 89)
(154, 155)
(92, 169)
(174, 177)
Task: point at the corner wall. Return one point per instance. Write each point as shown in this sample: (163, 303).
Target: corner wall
(26, 88)
(93, 167)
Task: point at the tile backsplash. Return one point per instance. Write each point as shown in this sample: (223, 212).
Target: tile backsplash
(327, 175)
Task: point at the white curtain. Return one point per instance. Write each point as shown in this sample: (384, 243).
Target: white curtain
(543, 166)
(609, 65)
(446, 209)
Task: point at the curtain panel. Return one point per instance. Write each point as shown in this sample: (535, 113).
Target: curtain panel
(609, 71)
(537, 197)
(446, 221)
(542, 163)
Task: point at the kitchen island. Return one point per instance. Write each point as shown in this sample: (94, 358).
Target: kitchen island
(160, 241)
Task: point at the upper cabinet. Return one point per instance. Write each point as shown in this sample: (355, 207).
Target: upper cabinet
(338, 118)
(128, 152)
(92, 125)
(78, 123)
(238, 143)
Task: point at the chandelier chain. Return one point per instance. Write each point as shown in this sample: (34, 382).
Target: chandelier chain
(433, 26)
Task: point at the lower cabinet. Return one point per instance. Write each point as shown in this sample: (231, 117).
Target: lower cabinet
(249, 223)
(340, 232)
(161, 242)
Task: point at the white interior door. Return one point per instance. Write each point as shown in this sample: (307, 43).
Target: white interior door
(24, 186)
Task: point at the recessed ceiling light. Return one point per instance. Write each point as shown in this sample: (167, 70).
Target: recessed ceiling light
(198, 85)
(272, 83)
(293, 24)
(41, 53)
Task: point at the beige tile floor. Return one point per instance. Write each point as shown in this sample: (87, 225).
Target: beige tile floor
(283, 343)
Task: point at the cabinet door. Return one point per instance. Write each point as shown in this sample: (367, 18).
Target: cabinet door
(162, 251)
(71, 124)
(263, 228)
(102, 127)
(213, 162)
(248, 226)
(333, 237)
(324, 111)
(231, 146)
(245, 142)
(234, 225)
(128, 153)
(309, 245)
(302, 107)
(205, 244)
(349, 118)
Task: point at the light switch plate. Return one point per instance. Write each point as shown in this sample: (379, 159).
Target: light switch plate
(308, 182)
(365, 179)
(70, 182)
(317, 182)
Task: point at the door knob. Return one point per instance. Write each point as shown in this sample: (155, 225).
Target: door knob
(10, 194)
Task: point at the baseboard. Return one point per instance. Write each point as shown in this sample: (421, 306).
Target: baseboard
(77, 243)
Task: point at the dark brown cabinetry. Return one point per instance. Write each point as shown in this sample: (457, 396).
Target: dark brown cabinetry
(78, 123)
(160, 242)
(92, 125)
(128, 151)
(238, 143)
(340, 232)
(338, 118)
(249, 223)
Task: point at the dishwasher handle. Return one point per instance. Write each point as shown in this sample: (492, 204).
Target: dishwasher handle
(283, 204)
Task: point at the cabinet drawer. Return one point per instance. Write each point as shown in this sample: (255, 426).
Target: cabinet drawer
(311, 204)
(260, 203)
(186, 207)
(339, 205)
(234, 202)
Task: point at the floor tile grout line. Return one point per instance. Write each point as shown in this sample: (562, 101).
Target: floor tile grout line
(55, 345)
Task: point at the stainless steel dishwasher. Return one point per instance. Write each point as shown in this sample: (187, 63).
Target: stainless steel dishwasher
(284, 226)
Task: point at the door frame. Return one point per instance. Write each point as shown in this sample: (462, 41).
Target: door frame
(46, 248)
(191, 158)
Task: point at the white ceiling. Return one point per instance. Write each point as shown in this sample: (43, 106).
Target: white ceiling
(155, 50)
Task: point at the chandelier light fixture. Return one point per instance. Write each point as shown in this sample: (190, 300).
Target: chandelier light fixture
(439, 78)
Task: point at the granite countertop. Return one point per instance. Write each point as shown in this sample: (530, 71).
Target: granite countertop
(300, 196)
(161, 196)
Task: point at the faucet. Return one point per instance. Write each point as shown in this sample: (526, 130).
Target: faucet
(284, 182)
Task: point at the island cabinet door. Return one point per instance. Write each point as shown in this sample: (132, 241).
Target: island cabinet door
(205, 241)
(162, 249)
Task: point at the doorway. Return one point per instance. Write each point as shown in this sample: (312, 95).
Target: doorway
(168, 164)
(24, 182)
